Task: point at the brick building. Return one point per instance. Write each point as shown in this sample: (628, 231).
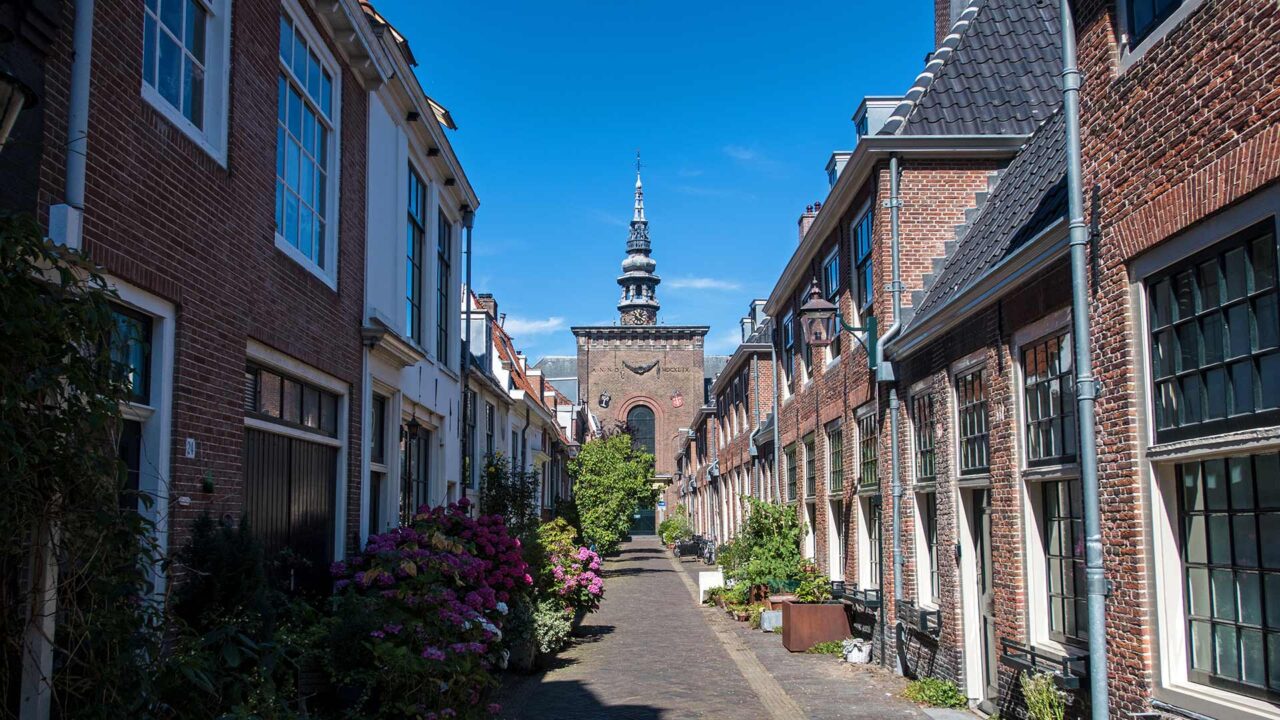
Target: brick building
(220, 179)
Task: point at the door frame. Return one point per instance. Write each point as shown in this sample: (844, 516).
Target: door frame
(976, 666)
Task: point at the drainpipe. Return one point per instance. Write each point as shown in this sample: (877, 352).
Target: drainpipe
(66, 219)
(468, 220)
(1086, 391)
(885, 374)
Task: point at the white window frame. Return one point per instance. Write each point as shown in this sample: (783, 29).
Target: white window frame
(156, 417)
(275, 360)
(212, 139)
(388, 508)
(924, 581)
(1131, 55)
(865, 578)
(1157, 465)
(995, 413)
(836, 540)
(327, 275)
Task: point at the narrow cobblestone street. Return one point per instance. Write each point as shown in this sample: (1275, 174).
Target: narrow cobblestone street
(651, 653)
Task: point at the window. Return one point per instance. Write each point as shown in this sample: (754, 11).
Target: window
(284, 400)
(922, 421)
(836, 550)
(414, 242)
(874, 547)
(640, 424)
(1049, 401)
(131, 352)
(1230, 515)
(931, 589)
(377, 462)
(1145, 15)
(788, 344)
(971, 402)
(469, 439)
(790, 453)
(444, 286)
(810, 468)
(490, 421)
(173, 54)
(868, 442)
(831, 291)
(835, 460)
(860, 235)
(415, 481)
(184, 60)
(1214, 339)
(1064, 561)
(305, 148)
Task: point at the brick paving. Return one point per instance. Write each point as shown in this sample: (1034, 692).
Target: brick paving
(650, 653)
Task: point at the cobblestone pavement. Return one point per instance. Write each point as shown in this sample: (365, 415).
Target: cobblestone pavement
(650, 653)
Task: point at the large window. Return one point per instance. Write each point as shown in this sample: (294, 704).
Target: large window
(1064, 560)
(305, 147)
(131, 357)
(973, 427)
(640, 426)
(790, 454)
(414, 242)
(444, 286)
(1215, 339)
(788, 344)
(810, 468)
(1230, 518)
(1049, 401)
(863, 274)
(287, 401)
(415, 470)
(835, 459)
(922, 422)
(1145, 15)
(931, 587)
(874, 548)
(377, 462)
(173, 54)
(868, 450)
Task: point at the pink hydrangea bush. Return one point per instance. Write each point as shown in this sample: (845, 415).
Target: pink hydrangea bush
(440, 589)
(577, 580)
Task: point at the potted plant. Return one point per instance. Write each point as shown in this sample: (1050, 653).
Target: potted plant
(812, 617)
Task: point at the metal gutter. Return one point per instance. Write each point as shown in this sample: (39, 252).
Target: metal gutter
(737, 358)
(870, 150)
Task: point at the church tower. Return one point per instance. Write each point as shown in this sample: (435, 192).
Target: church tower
(639, 303)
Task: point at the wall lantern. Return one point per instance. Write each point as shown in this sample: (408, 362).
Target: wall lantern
(820, 321)
(14, 98)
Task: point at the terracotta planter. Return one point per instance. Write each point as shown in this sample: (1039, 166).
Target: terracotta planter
(807, 624)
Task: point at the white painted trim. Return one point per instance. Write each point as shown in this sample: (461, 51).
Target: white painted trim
(157, 418)
(217, 87)
(865, 579)
(970, 613)
(291, 432)
(921, 540)
(1130, 56)
(270, 357)
(835, 568)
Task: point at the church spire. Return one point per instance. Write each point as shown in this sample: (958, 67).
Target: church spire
(639, 303)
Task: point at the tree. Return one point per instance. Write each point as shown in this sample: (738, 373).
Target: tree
(611, 479)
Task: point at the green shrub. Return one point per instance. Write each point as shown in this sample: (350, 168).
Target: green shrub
(767, 548)
(676, 526)
(936, 693)
(1044, 700)
(814, 587)
(830, 647)
(551, 625)
(611, 481)
(714, 594)
(756, 612)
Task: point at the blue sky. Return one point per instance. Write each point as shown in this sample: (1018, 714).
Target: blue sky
(735, 108)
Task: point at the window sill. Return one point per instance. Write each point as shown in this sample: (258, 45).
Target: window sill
(832, 363)
(307, 263)
(185, 126)
(1260, 439)
(976, 480)
(1213, 702)
(1051, 472)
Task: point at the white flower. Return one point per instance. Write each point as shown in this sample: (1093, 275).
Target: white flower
(502, 608)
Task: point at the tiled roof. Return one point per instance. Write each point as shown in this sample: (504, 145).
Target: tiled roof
(996, 73)
(1030, 196)
(712, 365)
(558, 366)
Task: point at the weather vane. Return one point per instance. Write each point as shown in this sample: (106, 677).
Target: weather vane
(637, 161)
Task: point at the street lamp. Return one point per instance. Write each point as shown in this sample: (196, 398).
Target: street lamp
(821, 322)
(14, 98)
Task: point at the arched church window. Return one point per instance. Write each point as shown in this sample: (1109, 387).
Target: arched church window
(640, 427)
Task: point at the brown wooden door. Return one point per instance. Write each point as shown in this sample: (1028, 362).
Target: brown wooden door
(289, 490)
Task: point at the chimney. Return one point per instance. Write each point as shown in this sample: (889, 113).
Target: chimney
(806, 218)
(757, 312)
(945, 13)
(488, 304)
(748, 326)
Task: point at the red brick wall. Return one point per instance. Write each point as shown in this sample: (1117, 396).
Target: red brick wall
(162, 214)
(1188, 129)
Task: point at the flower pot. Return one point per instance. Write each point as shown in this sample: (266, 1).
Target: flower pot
(742, 615)
(579, 614)
(522, 655)
(807, 624)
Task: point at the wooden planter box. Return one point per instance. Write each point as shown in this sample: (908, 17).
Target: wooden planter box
(807, 624)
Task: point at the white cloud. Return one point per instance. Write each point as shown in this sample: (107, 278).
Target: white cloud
(738, 152)
(700, 283)
(524, 327)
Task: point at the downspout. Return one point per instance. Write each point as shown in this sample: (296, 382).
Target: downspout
(755, 421)
(66, 219)
(468, 220)
(1086, 391)
(885, 374)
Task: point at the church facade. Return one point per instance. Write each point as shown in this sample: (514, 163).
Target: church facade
(648, 377)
